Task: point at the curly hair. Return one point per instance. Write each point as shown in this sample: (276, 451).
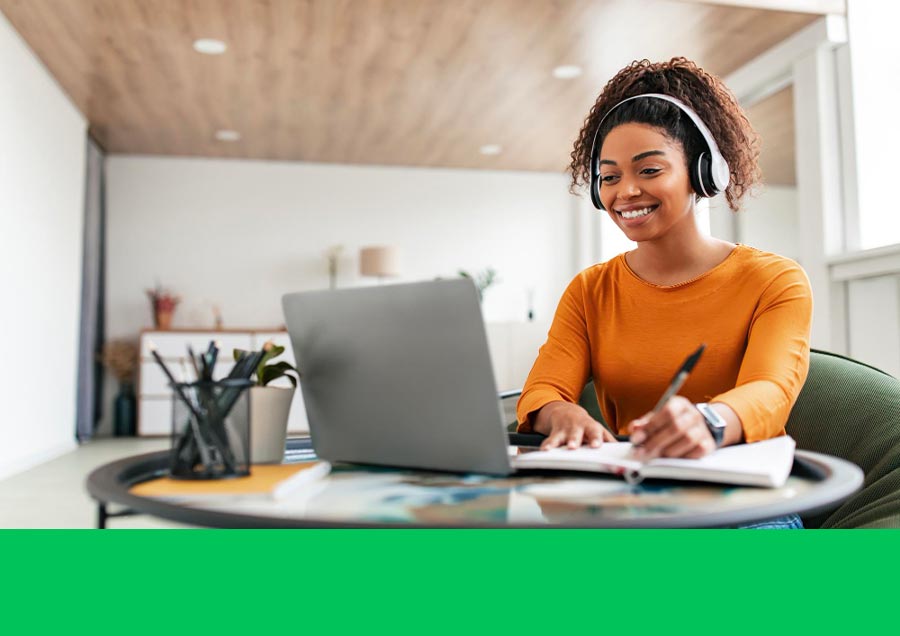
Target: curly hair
(704, 93)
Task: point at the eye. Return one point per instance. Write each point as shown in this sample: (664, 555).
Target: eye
(608, 178)
(650, 171)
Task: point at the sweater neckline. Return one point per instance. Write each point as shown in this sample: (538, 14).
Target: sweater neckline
(722, 265)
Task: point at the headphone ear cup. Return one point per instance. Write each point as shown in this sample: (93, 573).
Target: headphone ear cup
(702, 178)
(595, 193)
(706, 173)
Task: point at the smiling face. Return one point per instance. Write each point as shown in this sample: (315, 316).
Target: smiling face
(644, 183)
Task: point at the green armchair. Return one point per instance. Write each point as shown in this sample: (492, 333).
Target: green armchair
(851, 410)
(846, 409)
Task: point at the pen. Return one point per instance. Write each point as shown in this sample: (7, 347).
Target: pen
(194, 421)
(679, 379)
(174, 383)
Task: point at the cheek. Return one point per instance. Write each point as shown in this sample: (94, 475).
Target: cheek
(674, 187)
(607, 196)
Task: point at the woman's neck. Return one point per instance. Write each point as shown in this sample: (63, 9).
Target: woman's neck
(678, 256)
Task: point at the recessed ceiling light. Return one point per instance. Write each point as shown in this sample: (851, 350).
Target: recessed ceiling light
(490, 149)
(227, 135)
(567, 71)
(210, 46)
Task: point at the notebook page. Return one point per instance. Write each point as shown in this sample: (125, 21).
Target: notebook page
(582, 458)
(755, 458)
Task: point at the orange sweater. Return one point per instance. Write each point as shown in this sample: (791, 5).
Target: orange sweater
(753, 311)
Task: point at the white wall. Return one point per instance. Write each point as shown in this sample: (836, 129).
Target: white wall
(240, 234)
(42, 155)
(769, 220)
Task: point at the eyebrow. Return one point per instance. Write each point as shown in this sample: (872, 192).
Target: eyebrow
(635, 158)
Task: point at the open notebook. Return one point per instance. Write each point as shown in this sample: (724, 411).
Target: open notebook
(767, 463)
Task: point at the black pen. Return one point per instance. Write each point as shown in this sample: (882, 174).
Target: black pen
(679, 379)
(176, 386)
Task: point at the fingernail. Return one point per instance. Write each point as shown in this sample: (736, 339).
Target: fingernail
(638, 437)
(572, 444)
(595, 443)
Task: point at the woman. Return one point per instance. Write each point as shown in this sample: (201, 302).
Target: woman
(660, 137)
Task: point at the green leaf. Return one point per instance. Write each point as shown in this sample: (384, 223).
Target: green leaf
(278, 370)
(238, 354)
(273, 352)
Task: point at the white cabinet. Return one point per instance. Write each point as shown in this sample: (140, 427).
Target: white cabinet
(154, 394)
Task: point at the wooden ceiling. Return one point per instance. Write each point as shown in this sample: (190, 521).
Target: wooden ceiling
(391, 82)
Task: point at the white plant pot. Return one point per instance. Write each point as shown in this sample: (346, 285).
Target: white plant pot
(269, 410)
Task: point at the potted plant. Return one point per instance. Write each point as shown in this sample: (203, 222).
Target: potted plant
(120, 357)
(270, 406)
(163, 304)
(482, 280)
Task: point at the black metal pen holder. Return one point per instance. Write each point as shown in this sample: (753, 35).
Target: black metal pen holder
(210, 429)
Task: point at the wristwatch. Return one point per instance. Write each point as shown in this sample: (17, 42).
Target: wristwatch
(714, 422)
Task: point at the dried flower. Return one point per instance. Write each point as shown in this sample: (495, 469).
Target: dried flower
(121, 358)
(162, 300)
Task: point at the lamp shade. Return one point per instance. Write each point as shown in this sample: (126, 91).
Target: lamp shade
(380, 261)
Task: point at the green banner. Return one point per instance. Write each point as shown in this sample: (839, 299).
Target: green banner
(436, 581)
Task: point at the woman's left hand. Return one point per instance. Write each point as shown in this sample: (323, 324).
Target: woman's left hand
(676, 430)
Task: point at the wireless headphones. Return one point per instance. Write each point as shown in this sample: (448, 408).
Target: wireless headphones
(709, 176)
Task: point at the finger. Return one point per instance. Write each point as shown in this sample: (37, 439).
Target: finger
(675, 431)
(638, 429)
(702, 450)
(554, 439)
(672, 409)
(687, 444)
(575, 437)
(593, 435)
(608, 437)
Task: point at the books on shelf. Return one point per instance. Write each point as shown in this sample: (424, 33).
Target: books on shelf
(767, 463)
(273, 481)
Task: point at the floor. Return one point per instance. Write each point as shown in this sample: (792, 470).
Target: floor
(52, 495)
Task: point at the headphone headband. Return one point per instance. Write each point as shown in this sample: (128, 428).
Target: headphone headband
(706, 185)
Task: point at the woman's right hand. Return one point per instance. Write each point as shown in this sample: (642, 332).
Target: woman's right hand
(567, 424)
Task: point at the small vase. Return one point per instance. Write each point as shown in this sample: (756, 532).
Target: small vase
(163, 320)
(124, 409)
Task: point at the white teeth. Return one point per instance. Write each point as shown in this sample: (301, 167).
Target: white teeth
(633, 214)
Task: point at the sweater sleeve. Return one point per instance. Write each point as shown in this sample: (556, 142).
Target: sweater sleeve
(563, 363)
(776, 360)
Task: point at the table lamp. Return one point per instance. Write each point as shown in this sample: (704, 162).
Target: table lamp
(380, 261)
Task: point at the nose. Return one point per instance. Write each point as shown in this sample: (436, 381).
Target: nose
(628, 189)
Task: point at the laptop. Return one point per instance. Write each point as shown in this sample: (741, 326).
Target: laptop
(399, 375)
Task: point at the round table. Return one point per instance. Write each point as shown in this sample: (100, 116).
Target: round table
(367, 497)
